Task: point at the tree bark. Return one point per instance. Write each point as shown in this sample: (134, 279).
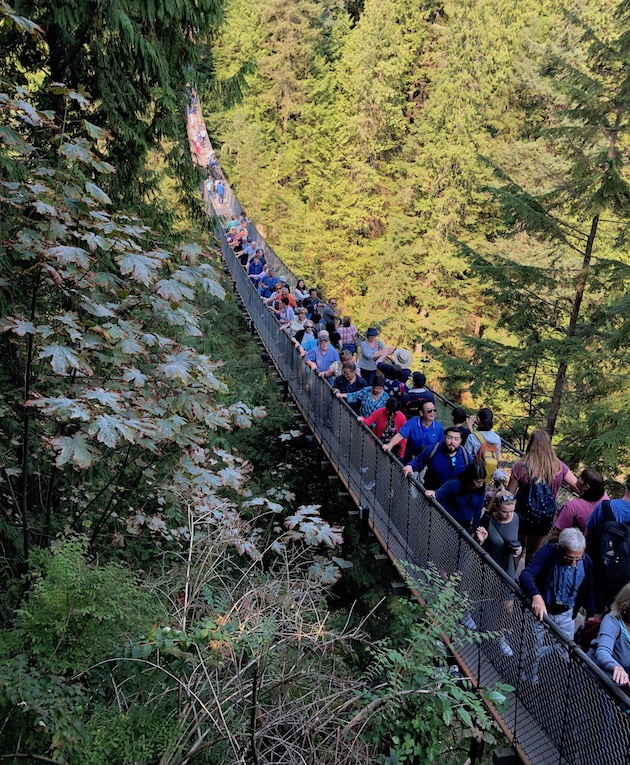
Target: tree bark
(561, 374)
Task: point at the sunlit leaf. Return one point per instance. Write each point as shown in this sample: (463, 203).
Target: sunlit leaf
(94, 131)
(44, 209)
(62, 406)
(177, 366)
(102, 310)
(104, 397)
(14, 140)
(169, 289)
(66, 255)
(22, 327)
(94, 241)
(142, 266)
(29, 114)
(76, 150)
(135, 377)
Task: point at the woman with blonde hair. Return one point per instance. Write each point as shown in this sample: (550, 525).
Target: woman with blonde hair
(536, 480)
(611, 649)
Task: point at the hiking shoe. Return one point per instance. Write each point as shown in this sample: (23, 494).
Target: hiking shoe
(469, 622)
(506, 648)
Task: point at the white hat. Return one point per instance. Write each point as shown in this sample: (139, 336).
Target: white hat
(402, 357)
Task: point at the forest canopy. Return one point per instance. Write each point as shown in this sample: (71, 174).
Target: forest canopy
(457, 174)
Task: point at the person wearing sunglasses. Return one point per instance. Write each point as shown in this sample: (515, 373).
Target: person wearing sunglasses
(559, 580)
(420, 432)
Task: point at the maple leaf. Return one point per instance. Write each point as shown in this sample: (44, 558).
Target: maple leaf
(63, 359)
(65, 407)
(135, 377)
(191, 252)
(97, 193)
(66, 255)
(170, 289)
(44, 209)
(109, 429)
(142, 266)
(74, 449)
(177, 365)
(104, 397)
(101, 310)
(94, 131)
(94, 241)
(231, 477)
(324, 571)
(22, 327)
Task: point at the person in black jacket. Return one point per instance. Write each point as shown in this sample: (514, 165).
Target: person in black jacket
(559, 580)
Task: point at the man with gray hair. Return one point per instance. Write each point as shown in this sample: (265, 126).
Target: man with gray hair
(559, 580)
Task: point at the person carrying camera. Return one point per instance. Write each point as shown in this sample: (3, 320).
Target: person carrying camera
(497, 533)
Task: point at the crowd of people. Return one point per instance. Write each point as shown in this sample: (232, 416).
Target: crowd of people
(575, 559)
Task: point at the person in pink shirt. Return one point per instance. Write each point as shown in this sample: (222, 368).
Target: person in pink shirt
(576, 512)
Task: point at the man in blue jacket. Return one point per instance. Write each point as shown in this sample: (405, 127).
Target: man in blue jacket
(559, 580)
(443, 461)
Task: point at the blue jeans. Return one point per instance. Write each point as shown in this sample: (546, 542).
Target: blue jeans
(368, 375)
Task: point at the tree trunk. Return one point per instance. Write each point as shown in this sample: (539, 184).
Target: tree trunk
(561, 375)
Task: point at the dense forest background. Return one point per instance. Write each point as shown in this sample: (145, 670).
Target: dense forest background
(454, 173)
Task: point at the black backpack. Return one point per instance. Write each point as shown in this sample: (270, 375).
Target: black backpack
(613, 552)
(538, 504)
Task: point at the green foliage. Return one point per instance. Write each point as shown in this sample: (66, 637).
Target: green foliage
(77, 612)
(139, 734)
(415, 693)
(134, 58)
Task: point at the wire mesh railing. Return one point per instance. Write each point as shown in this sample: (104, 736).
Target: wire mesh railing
(564, 710)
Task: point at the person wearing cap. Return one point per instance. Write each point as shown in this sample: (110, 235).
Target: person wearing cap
(397, 372)
(412, 401)
(372, 351)
(322, 358)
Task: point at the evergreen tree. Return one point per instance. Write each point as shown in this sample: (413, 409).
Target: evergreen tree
(562, 294)
(134, 59)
